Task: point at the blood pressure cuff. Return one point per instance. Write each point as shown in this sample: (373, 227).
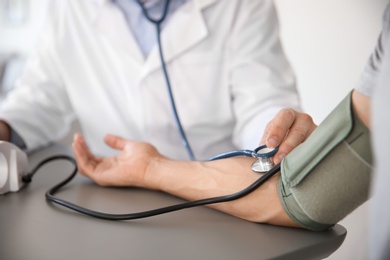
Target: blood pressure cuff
(328, 176)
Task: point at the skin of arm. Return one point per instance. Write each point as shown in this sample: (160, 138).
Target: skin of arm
(140, 164)
(362, 107)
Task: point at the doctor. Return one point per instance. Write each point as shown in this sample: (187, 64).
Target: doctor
(98, 62)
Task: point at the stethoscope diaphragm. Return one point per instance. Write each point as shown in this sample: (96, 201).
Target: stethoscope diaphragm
(264, 162)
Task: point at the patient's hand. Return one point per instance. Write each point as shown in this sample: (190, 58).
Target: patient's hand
(126, 169)
(287, 130)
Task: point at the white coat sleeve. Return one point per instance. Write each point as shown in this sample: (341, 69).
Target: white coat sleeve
(260, 76)
(38, 108)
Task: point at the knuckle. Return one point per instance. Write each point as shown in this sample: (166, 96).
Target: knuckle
(286, 148)
(287, 113)
(298, 133)
(307, 118)
(276, 125)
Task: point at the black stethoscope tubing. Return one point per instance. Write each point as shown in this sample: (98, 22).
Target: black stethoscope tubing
(50, 194)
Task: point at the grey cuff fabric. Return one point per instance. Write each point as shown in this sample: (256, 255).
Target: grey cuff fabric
(328, 176)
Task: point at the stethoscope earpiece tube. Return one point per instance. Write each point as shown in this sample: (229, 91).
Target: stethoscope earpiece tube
(158, 23)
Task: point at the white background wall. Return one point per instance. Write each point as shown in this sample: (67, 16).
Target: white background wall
(327, 42)
(20, 38)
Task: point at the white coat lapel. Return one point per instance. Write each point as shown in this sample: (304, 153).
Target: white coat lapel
(185, 29)
(111, 22)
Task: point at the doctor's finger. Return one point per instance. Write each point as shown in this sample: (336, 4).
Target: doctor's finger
(278, 127)
(301, 129)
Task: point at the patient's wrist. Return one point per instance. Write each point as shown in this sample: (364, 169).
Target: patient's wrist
(152, 175)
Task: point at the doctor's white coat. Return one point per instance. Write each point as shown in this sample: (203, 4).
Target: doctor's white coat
(228, 73)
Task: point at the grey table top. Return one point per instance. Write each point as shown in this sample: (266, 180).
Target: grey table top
(32, 228)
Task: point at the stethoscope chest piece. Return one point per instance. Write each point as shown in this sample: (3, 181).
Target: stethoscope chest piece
(264, 162)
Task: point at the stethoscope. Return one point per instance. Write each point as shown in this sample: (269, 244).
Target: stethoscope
(263, 164)
(263, 153)
(158, 22)
(50, 194)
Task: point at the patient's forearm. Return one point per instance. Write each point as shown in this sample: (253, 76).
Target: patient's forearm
(140, 164)
(199, 180)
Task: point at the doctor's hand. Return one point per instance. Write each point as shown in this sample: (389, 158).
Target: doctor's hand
(287, 130)
(128, 168)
